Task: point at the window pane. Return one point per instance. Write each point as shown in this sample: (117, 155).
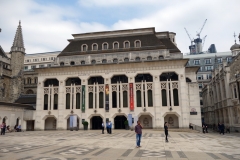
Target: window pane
(78, 101)
(175, 97)
(101, 100)
(55, 101)
(164, 98)
(125, 99)
(90, 100)
(114, 100)
(45, 102)
(68, 101)
(126, 45)
(150, 98)
(115, 45)
(139, 99)
(137, 44)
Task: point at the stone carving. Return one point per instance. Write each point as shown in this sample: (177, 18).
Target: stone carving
(125, 87)
(114, 87)
(149, 86)
(46, 90)
(101, 88)
(163, 85)
(78, 89)
(138, 86)
(90, 88)
(68, 89)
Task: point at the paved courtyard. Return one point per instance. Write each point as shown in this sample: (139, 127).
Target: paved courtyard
(89, 145)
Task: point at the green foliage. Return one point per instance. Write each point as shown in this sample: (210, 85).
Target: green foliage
(85, 123)
(126, 122)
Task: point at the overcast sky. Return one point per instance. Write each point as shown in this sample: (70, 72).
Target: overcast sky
(47, 24)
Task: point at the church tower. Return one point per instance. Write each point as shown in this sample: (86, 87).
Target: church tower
(17, 52)
(17, 63)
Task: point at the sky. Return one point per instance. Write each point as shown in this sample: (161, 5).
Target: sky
(47, 24)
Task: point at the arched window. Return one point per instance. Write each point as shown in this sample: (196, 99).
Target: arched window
(84, 47)
(115, 45)
(169, 76)
(149, 58)
(160, 57)
(175, 97)
(93, 62)
(137, 58)
(30, 91)
(104, 61)
(105, 46)
(137, 43)
(62, 64)
(126, 59)
(94, 47)
(45, 107)
(164, 97)
(126, 44)
(115, 60)
(82, 62)
(72, 63)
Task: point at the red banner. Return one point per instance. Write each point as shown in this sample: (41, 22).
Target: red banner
(131, 96)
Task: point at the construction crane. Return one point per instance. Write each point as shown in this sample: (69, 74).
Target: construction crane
(198, 34)
(192, 40)
(203, 40)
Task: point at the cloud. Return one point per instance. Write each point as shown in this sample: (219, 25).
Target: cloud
(46, 27)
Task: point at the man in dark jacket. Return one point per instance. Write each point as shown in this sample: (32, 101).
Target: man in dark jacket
(138, 131)
(222, 127)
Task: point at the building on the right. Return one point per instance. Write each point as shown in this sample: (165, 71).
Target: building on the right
(221, 96)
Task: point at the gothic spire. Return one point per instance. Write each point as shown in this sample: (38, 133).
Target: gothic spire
(18, 45)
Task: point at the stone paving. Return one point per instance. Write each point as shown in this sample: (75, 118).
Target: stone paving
(92, 145)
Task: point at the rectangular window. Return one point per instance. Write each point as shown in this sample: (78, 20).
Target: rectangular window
(219, 60)
(33, 67)
(209, 76)
(197, 62)
(25, 67)
(229, 59)
(200, 85)
(41, 66)
(139, 99)
(208, 61)
(49, 65)
(199, 77)
(125, 99)
(208, 68)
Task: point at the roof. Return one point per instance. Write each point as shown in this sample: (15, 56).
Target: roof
(208, 55)
(26, 106)
(27, 99)
(148, 42)
(235, 46)
(2, 53)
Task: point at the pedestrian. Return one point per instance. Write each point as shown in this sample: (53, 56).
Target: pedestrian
(3, 128)
(166, 130)
(206, 128)
(138, 131)
(219, 128)
(107, 126)
(103, 127)
(222, 127)
(110, 127)
(203, 128)
(190, 126)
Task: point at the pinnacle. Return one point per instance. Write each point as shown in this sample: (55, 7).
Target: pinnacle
(18, 44)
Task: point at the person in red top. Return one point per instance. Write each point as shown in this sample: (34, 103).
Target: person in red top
(138, 131)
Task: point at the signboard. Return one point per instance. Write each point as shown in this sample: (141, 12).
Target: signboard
(73, 121)
(107, 97)
(130, 120)
(83, 98)
(193, 111)
(131, 96)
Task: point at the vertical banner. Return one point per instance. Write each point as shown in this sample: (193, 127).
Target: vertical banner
(83, 98)
(107, 97)
(73, 121)
(130, 120)
(131, 96)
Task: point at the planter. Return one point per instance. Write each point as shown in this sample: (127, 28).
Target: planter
(85, 127)
(126, 127)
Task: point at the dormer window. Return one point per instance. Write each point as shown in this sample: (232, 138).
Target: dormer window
(115, 60)
(105, 46)
(127, 44)
(126, 59)
(62, 64)
(137, 43)
(104, 61)
(72, 63)
(115, 45)
(161, 57)
(137, 58)
(84, 47)
(82, 62)
(149, 58)
(93, 62)
(94, 47)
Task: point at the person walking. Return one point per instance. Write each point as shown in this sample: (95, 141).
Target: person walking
(138, 131)
(222, 127)
(3, 128)
(110, 127)
(219, 128)
(203, 128)
(107, 126)
(166, 130)
(206, 128)
(103, 127)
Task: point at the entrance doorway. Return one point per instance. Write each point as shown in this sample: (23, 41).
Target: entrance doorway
(68, 124)
(30, 125)
(96, 122)
(172, 120)
(119, 122)
(146, 121)
(50, 123)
